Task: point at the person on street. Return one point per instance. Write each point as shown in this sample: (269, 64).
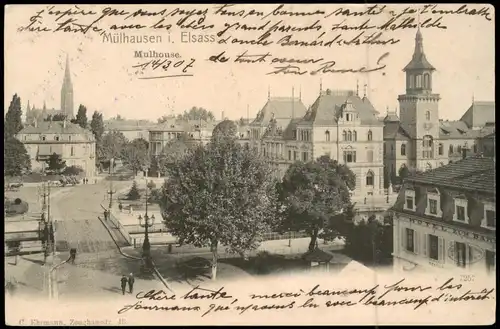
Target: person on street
(106, 214)
(131, 281)
(72, 255)
(124, 283)
(120, 206)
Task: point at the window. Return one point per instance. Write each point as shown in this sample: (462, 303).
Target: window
(327, 136)
(56, 138)
(474, 147)
(349, 136)
(450, 151)
(348, 117)
(403, 149)
(460, 253)
(304, 156)
(43, 138)
(72, 151)
(461, 210)
(24, 137)
(289, 155)
(459, 149)
(433, 247)
(349, 156)
(428, 115)
(418, 81)
(370, 135)
(410, 241)
(433, 204)
(294, 155)
(427, 150)
(354, 136)
(384, 149)
(412, 81)
(344, 135)
(410, 200)
(295, 134)
(369, 156)
(370, 178)
(489, 220)
(491, 260)
(440, 149)
(427, 81)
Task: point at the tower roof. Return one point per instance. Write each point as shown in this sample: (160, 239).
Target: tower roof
(419, 61)
(67, 73)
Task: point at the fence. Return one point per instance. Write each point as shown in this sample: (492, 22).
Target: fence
(116, 223)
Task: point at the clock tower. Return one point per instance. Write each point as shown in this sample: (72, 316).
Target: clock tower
(419, 110)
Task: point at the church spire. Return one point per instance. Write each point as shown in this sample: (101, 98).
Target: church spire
(67, 73)
(419, 61)
(67, 92)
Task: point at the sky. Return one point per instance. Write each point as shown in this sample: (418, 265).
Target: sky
(103, 78)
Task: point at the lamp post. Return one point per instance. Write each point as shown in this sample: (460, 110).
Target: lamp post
(110, 192)
(148, 222)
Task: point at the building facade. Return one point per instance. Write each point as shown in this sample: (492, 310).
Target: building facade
(67, 107)
(445, 219)
(418, 138)
(72, 143)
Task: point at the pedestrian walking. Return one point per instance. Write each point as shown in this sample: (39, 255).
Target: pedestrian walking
(131, 281)
(120, 206)
(72, 255)
(106, 214)
(124, 281)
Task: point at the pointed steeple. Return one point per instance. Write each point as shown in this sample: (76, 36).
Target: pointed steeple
(67, 92)
(419, 61)
(67, 72)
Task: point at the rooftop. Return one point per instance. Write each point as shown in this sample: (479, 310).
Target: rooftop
(56, 127)
(472, 174)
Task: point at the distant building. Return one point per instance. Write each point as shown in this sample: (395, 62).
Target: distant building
(445, 218)
(486, 144)
(67, 107)
(131, 129)
(72, 143)
(418, 138)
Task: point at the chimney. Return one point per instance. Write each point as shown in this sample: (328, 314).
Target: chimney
(64, 123)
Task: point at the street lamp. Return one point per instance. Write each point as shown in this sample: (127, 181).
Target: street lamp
(148, 222)
(110, 192)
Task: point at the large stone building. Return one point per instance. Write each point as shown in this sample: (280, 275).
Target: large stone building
(33, 114)
(131, 129)
(445, 219)
(418, 138)
(72, 143)
(339, 124)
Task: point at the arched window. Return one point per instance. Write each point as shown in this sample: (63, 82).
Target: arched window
(327, 136)
(450, 151)
(427, 115)
(355, 136)
(427, 141)
(403, 149)
(370, 178)
(370, 135)
(418, 81)
(344, 135)
(349, 136)
(440, 148)
(369, 156)
(427, 81)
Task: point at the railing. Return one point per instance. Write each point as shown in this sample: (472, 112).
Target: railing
(116, 223)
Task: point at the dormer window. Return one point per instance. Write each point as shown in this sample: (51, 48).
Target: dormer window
(489, 220)
(460, 214)
(409, 200)
(56, 138)
(433, 203)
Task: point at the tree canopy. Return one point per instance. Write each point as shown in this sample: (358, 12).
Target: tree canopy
(171, 153)
(197, 113)
(56, 117)
(97, 126)
(315, 196)
(13, 122)
(135, 154)
(165, 118)
(55, 163)
(219, 194)
(111, 147)
(81, 116)
(225, 129)
(16, 160)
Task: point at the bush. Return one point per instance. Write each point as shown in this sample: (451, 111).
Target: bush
(18, 207)
(134, 194)
(72, 171)
(18, 201)
(262, 262)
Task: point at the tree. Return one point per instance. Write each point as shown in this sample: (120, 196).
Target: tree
(403, 172)
(316, 197)
(72, 171)
(81, 117)
(171, 153)
(219, 194)
(55, 163)
(133, 193)
(135, 154)
(16, 160)
(225, 129)
(197, 113)
(97, 126)
(111, 147)
(13, 122)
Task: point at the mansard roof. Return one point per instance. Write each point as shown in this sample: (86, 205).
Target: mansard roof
(280, 108)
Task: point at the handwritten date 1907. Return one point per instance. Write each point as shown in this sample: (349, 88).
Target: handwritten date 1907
(165, 65)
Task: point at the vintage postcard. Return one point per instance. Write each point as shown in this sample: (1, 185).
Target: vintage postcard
(249, 164)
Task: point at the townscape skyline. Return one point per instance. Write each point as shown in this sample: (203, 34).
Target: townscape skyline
(103, 81)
